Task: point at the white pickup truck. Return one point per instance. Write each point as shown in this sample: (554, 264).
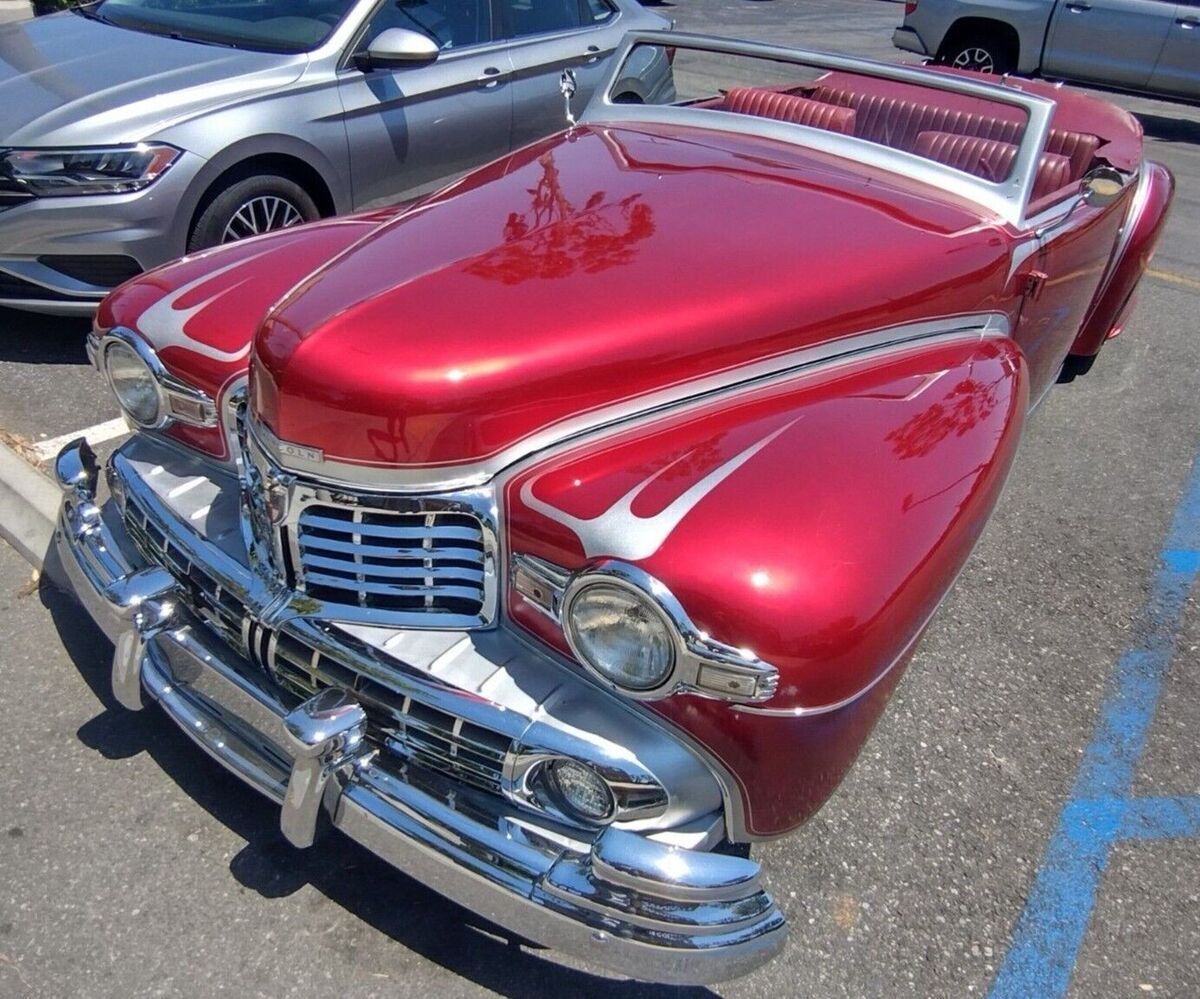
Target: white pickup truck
(1143, 45)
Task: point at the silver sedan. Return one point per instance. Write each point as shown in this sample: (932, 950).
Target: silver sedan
(133, 131)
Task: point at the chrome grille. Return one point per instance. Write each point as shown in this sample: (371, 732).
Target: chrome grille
(424, 562)
(416, 732)
(223, 610)
(411, 730)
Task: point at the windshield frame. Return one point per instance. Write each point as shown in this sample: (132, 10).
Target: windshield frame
(1008, 199)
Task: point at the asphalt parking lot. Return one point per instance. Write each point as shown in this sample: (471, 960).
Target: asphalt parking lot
(1025, 820)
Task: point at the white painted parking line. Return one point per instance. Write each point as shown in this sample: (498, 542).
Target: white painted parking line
(101, 432)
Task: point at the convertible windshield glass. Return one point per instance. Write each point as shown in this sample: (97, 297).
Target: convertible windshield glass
(263, 25)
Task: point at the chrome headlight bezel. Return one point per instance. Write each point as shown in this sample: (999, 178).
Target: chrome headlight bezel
(178, 401)
(702, 665)
(30, 168)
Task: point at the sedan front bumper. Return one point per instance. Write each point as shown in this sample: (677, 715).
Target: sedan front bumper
(147, 227)
(624, 901)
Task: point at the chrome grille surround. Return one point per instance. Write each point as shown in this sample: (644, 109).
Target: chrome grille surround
(416, 732)
(405, 561)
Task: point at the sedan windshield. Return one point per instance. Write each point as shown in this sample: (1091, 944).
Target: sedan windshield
(264, 25)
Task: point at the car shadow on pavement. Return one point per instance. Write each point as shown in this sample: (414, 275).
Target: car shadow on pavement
(1168, 129)
(414, 916)
(28, 338)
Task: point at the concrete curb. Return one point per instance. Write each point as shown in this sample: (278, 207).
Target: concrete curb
(28, 507)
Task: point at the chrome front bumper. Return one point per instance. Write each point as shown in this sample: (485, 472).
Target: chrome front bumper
(623, 901)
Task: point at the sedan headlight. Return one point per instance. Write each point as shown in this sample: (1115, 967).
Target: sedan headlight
(620, 634)
(106, 170)
(136, 388)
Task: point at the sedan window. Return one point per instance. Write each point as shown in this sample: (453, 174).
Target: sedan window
(538, 17)
(451, 24)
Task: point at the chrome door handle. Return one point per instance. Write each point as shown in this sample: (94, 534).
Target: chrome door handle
(1188, 23)
(592, 55)
(1078, 8)
(490, 78)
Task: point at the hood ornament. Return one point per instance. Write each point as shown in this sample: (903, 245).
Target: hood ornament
(567, 84)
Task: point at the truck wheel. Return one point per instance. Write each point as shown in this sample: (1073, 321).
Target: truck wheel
(249, 207)
(979, 52)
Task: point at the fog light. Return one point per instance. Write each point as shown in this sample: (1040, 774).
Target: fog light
(581, 790)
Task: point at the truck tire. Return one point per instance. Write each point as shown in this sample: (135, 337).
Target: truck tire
(983, 52)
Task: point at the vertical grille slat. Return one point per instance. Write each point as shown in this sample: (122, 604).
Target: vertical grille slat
(422, 562)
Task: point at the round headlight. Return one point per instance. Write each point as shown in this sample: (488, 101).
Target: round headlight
(580, 789)
(134, 383)
(621, 635)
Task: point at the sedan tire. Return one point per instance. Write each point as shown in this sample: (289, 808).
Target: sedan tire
(249, 207)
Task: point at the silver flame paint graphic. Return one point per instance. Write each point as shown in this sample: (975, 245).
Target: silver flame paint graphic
(620, 533)
(164, 323)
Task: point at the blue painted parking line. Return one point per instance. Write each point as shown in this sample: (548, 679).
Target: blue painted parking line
(1161, 818)
(1099, 811)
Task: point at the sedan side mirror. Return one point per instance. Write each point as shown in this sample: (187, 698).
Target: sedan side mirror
(396, 48)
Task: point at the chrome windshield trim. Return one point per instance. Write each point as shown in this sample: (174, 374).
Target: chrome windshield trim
(442, 478)
(1007, 199)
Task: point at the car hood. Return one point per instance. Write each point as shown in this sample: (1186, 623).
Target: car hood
(588, 275)
(68, 80)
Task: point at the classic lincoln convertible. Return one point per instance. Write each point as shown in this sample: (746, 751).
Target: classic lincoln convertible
(561, 535)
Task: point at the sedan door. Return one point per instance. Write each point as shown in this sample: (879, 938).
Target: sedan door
(1178, 69)
(1107, 41)
(412, 128)
(548, 36)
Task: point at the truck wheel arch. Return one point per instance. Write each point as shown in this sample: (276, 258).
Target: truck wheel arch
(983, 32)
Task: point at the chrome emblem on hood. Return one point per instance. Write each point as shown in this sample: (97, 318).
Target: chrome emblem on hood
(620, 533)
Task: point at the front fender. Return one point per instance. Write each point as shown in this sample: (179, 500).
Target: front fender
(200, 313)
(817, 522)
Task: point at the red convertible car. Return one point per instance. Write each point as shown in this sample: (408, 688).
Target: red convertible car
(561, 535)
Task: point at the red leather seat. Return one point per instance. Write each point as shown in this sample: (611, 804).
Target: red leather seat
(992, 160)
(788, 107)
(898, 123)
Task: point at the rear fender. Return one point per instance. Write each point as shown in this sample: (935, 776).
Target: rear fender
(817, 522)
(1131, 257)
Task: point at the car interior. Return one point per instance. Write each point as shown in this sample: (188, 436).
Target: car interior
(964, 133)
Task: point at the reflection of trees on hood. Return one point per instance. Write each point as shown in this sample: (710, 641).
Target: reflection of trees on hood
(554, 239)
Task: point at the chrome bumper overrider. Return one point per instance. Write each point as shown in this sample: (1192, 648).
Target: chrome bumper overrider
(622, 900)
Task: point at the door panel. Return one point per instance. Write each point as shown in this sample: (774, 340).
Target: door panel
(1108, 41)
(1178, 69)
(413, 127)
(1070, 266)
(547, 37)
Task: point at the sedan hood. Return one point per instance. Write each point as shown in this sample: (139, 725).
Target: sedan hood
(593, 270)
(68, 80)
